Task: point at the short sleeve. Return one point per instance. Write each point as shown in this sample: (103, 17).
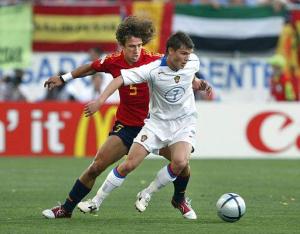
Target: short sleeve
(137, 75)
(99, 65)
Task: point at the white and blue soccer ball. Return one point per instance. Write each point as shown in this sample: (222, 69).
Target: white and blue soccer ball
(231, 207)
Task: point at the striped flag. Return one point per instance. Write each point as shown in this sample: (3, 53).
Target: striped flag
(74, 28)
(246, 29)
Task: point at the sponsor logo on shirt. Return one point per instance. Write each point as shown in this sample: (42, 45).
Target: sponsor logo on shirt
(174, 94)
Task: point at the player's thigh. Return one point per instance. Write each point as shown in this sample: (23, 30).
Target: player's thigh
(136, 155)
(183, 141)
(111, 151)
(180, 151)
(165, 152)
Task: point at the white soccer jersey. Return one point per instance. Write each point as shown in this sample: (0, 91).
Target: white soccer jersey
(171, 91)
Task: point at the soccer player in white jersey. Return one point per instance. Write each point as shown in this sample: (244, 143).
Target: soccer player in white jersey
(172, 120)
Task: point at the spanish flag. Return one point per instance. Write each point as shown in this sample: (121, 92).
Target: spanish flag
(73, 28)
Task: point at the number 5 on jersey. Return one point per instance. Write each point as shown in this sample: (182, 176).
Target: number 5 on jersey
(133, 90)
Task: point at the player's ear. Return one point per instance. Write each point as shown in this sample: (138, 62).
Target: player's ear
(171, 50)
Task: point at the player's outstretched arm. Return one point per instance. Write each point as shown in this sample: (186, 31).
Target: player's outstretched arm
(56, 81)
(94, 106)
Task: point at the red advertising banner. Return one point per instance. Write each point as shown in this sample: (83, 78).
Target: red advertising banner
(74, 28)
(52, 129)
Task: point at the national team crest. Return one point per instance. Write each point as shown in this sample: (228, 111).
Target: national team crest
(177, 78)
(143, 138)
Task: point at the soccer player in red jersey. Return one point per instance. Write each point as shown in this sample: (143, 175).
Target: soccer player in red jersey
(131, 34)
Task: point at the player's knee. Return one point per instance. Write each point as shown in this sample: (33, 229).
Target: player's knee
(179, 165)
(127, 167)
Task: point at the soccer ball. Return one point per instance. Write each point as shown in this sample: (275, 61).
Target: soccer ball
(231, 207)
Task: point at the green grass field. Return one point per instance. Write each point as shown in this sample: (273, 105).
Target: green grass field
(270, 188)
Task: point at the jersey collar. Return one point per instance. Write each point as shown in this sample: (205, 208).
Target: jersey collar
(163, 62)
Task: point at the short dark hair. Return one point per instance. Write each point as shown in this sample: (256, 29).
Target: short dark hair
(134, 26)
(178, 40)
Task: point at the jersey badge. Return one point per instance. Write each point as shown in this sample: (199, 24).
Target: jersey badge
(177, 78)
(143, 138)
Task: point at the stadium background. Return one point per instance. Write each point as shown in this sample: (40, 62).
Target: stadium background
(39, 139)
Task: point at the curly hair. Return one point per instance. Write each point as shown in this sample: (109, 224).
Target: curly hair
(134, 26)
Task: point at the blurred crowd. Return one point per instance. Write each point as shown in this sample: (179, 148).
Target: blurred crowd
(11, 86)
(74, 91)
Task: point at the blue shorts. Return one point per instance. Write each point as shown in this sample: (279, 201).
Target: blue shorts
(126, 133)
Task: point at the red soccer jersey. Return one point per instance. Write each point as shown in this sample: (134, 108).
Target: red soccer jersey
(134, 99)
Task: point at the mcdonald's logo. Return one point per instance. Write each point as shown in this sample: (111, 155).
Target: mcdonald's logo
(102, 124)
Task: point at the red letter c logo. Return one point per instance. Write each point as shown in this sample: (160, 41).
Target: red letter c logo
(253, 131)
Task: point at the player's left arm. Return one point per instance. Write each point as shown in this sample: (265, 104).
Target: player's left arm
(199, 84)
(137, 75)
(94, 106)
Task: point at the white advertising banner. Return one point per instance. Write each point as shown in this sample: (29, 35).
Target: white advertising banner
(234, 79)
(45, 65)
(237, 78)
(248, 130)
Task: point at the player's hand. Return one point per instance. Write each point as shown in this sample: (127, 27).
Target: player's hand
(91, 108)
(53, 82)
(204, 86)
